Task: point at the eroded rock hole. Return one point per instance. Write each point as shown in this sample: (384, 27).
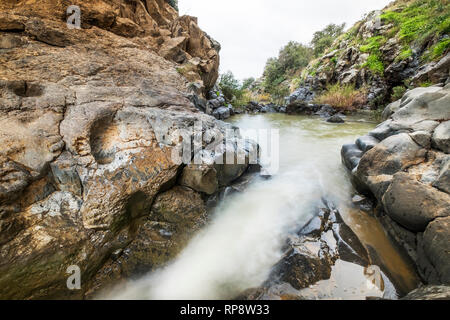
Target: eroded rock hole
(27, 89)
(103, 140)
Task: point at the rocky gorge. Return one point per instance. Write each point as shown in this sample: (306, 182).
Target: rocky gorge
(91, 120)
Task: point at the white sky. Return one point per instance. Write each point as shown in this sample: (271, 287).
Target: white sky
(251, 31)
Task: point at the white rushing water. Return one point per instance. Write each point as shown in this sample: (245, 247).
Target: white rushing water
(243, 241)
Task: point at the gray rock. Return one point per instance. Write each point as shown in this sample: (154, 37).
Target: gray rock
(443, 180)
(222, 113)
(335, 119)
(326, 111)
(390, 110)
(351, 155)
(310, 255)
(390, 156)
(201, 178)
(423, 104)
(422, 138)
(383, 131)
(429, 293)
(404, 237)
(435, 243)
(303, 94)
(441, 137)
(65, 174)
(366, 143)
(435, 72)
(413, 204)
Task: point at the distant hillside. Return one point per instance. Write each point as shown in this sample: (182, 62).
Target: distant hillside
(389, 51)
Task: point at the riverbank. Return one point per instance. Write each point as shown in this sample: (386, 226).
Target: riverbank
(248, 231)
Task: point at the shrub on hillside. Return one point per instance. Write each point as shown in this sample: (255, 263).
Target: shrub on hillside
(344, 97)
(291, 60)
(324, 38)
(230, 86)
(398, 92)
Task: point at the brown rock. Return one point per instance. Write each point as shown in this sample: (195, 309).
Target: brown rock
(85, 152)
(436, 241)
(414, 204)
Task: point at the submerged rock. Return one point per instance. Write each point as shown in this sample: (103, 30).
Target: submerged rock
(335, 119)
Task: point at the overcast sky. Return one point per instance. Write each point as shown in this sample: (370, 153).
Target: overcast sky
(251, 31)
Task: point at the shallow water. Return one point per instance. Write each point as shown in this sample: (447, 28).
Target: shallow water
(243, 241)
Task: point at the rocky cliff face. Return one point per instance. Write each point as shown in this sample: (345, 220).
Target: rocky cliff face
(404, 45)
(87, 173)
(404, 164)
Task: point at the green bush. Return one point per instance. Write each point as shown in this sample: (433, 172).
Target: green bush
(440, 48)
(372, 46)
(324, 38)
(248, 83)
(230, 86)
(405, 53)
(420, 21)
(398, 92)
(291, 60)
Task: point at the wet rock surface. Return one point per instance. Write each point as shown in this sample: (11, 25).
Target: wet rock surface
(311, 255)
(429, 293)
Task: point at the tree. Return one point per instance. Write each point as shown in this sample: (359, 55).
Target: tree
(247, 83)
(323, 39)
(291, 59)
(230, 86)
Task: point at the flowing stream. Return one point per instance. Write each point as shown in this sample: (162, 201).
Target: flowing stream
(243, 241)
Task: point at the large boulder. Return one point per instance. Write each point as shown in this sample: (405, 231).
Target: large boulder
(96, 127)
(379, 164)
(441, 137)
(443, 180)
(414, 204)
(175, 217)
(435, 248)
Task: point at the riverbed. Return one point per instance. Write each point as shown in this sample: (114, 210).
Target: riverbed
(244, 239)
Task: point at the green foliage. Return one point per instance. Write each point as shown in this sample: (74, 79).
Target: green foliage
(248, 83)
(323, 39)
(292, 58)
(230, 86)
(405, 53)
(440, 48)
(420, 21)
(243, 99)
(375, 64)
(173, 4)
(398, 92)
(372, 46)
(425, 84)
